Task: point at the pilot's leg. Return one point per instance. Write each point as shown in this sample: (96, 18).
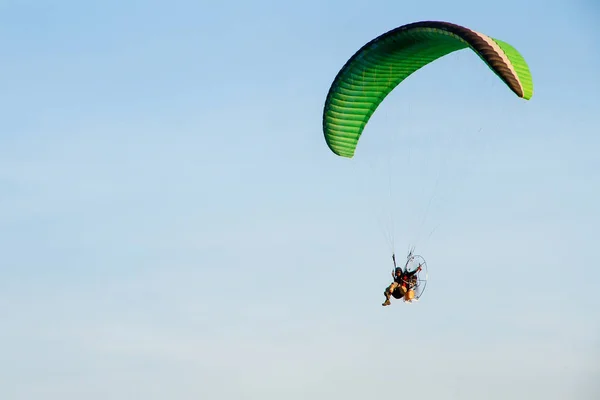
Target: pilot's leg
(388, 293)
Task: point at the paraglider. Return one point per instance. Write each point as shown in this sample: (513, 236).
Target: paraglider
(379, 67)
(408, 283)
(383, 63)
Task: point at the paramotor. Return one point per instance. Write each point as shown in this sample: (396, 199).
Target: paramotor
(419, 281)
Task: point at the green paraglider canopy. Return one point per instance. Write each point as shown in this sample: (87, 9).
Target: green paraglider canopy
(383, 63)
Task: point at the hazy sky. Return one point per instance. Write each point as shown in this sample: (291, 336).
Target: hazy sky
(175, 227)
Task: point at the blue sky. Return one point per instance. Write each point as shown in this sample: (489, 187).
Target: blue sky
(174, 226)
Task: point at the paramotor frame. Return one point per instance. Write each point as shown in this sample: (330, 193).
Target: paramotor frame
(419, 281)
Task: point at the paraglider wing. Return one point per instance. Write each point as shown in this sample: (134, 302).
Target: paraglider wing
(380, 65)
